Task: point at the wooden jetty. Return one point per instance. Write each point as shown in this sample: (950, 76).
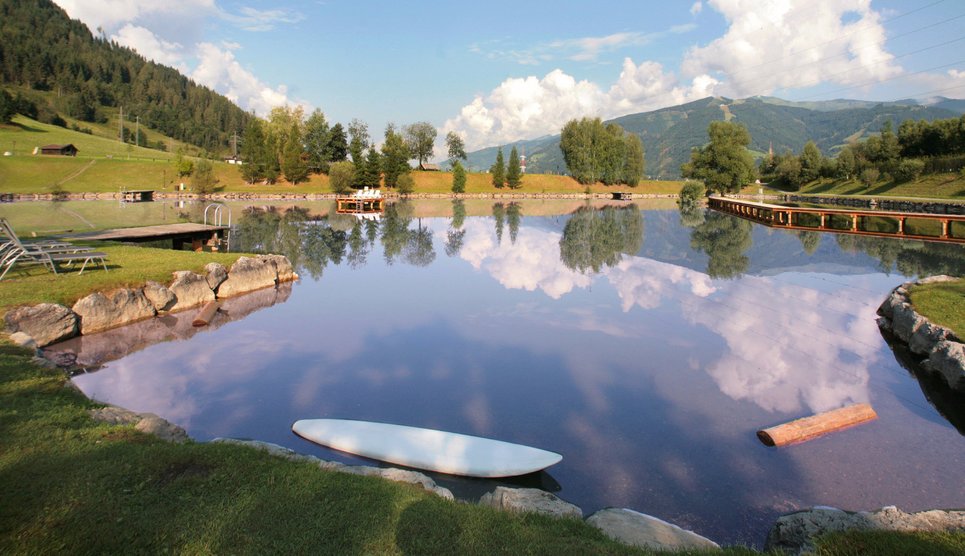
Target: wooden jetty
(137, 196)
(950, 228)
(350, 204)
(199, 235)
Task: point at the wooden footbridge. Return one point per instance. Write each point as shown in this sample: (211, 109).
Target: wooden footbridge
(948, 228)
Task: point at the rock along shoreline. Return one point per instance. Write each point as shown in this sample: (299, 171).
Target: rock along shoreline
(794, 533)
(944, 352)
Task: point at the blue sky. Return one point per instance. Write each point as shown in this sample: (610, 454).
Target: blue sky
(498, 72)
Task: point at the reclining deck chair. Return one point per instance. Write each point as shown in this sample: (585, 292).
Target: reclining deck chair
(47, 253)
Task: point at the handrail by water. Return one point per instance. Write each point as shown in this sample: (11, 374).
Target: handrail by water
(217, 217)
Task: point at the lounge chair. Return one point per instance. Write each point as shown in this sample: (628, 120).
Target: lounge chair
(48, 253)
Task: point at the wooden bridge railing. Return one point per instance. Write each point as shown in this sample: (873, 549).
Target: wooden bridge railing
(857, 219)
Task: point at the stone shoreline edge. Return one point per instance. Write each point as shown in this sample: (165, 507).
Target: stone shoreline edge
(944, 352)
(793, 533)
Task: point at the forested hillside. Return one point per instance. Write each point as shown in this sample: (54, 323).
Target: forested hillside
(56, 65)
(669, 134)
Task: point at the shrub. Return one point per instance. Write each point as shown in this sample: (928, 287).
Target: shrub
(340, 176)
(406, 184)
(691, 193)
(869, 176)
(909, 169)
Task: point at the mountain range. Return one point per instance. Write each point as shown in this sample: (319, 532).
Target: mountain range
(775, 124)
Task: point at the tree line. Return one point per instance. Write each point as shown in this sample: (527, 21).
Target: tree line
(725, 164)
(288, 145)
(64, 69)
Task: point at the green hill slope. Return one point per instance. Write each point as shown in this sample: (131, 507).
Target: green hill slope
(59, 66)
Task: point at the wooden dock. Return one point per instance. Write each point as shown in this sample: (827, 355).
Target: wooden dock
(199, 235)
(137, 196)
(359, 205)
(950, 228)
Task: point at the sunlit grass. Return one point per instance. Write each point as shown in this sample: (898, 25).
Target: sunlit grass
(943, 303)
(127, 266)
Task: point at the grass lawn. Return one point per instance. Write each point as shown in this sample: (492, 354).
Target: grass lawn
(933, 186)
(943, 303)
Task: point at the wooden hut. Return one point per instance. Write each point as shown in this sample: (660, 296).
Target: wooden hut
(59, 150)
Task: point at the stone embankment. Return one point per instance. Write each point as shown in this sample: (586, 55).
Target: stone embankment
(48, 323)
(944, 352)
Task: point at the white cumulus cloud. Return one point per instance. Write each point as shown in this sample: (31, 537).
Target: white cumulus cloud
(788, 45)
(528, 107)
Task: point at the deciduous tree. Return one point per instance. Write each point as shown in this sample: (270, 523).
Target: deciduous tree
(724, 164)
(341, 175)
(420, 136)
(317, 135)
(455, 146)
(395, 156)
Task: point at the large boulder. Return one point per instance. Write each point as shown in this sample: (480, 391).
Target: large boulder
(795, 533)
(948, 358)
(99, 312)
(46, 323)
(160, 296)
(283, 267)
(637, 529)
(215, 274)
(248, 274)
(190, 289)
(529, 500)
(152, 424)
(905, 321)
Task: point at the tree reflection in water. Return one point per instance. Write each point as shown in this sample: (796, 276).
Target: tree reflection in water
(499, 215)
(594, 238)
(909, 257)
(724, 239)
(514, 214)
(456, 236)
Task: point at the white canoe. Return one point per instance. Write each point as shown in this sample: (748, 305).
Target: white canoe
(433, 450)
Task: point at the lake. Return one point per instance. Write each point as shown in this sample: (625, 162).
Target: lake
(645, 345)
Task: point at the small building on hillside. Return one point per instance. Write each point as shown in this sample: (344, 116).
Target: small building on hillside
(427, 167)
(59, 150)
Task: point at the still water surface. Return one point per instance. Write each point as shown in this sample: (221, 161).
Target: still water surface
(646, 346)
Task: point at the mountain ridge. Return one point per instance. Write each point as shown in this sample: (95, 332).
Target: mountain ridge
(668, 134)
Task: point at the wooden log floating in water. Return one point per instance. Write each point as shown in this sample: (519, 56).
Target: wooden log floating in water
(814, 426)
(206, 314)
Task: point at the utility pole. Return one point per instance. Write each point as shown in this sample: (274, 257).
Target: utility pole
(234, 145)
(137, 132)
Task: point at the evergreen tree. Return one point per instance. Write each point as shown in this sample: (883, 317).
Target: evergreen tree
(317, 142)
(359, 137)
(251, 147)
(395, 156)
(292, 164)
(513, 171)
(371, 171)
(7, 107)
(458, 177)
(498, 170)
(337, 144)
(202, 179)
(514, 216)
(810, 162)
